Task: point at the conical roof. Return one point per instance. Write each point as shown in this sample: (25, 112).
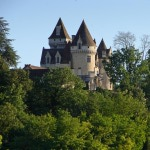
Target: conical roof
(102, 46)
(63, 31)
(84, 34)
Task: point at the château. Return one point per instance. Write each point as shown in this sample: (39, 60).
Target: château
(78, 52)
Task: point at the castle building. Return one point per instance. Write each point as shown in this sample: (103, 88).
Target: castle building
(79, 53)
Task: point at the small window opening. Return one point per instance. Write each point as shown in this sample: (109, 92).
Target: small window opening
(88, 59)
(47, 61)
(57, 60)
(103, 53)
(79, 45)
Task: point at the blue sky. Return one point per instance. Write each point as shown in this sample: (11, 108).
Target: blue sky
(32, 21)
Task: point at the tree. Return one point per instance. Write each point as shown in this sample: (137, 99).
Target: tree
(145, 44)
(46, 92)
(124, 40)
(127, 70)
(8, 118)
(146, 85)
(0, 140)
(37, 132)
(14, 85)
(121, 122)
(74, 101)
(6, 50)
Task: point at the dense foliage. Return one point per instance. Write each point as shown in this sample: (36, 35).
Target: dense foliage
(55, 112)
(7, 52)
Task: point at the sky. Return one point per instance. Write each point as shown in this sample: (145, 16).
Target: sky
(31, 22)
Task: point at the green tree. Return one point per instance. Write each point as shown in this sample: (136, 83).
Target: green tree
(9, 121)
(146, 85)
(0, 140)
(14, 85)
(74, 101)
(118, 132)
(7, 52)
(8, 118)
(37, 132)
(46, 93)
(127, 70)
(73, 134)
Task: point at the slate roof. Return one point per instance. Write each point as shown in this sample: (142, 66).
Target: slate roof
(63, 31)
(102, 47)
(64, 53)
(85, 36)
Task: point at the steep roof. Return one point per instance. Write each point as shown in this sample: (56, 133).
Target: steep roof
(102, 47)
(64, 53)
(63, 31)
(85, 36)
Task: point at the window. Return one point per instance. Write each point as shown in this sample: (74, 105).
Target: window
(57, 60)
(79, 45)
(47, 60)
(88, 58)
(103, 53)
(58, 30)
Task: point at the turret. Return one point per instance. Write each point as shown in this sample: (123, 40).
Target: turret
(83, 50)
(102, 50)
(103, 53)
(59, 37)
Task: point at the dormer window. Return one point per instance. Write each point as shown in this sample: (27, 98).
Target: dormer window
(79, 45)
(47, 60)
(103, 53)
(58, 30)
(57, 60)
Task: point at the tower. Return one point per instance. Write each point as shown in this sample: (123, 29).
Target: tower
(59, 37)
(103, 54)
(83, 51)
(59, 53)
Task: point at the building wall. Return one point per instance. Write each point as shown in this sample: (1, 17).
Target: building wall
(104, 79)
(57, 65)
(58, 43)
(79, 59)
